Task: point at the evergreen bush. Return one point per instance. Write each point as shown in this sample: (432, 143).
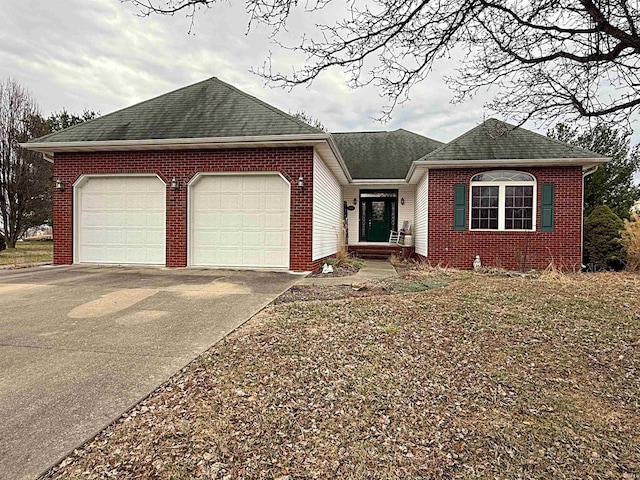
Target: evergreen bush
(603, 249)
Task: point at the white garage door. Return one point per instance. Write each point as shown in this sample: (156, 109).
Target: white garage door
(121, 220)
(240, 221)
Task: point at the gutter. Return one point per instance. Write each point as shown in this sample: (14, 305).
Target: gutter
(49, 148)
(171, 143)
(508, 162)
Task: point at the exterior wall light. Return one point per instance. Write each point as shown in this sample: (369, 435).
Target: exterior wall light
(58, 184)
(174, 184)
(301, 182)
(402, 201)
(355, 201)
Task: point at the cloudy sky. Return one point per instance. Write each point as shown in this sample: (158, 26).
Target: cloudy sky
(100, 55)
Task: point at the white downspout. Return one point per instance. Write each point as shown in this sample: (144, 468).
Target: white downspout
(585, 173)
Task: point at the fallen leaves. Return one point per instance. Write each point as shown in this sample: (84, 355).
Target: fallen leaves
(486, 377)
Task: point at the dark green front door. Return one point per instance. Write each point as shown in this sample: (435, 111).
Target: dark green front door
(377, 218)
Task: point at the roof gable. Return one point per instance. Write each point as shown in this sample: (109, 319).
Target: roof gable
(494, 139)
(208, 109)
(382, 155)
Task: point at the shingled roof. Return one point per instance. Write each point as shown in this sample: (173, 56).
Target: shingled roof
(208, 109)
(382, 155)
(494, 139)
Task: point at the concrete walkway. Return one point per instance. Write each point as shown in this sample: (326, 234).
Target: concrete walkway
(372, 270)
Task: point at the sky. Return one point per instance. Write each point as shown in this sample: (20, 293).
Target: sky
(101, 55)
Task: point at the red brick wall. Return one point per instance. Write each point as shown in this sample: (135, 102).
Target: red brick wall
(292, 163)
(512, 250)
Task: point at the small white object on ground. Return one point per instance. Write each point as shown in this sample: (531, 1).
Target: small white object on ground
(326, 268)
(477, 263)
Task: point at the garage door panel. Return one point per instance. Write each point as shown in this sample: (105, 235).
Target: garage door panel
(230, 220)
(252, 201)
(230, 201)
(273, 202)
(253, 239)
(207, 219)
(121, 220)
(251, 215)
(275, 239)
(253, 220)
(276, 221)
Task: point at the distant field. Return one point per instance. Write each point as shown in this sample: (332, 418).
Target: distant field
(26, 253)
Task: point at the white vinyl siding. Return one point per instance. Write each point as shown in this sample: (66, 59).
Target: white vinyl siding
(239, 221)
(405, 212)
(327, 211)
(421, 230)
(120, 220)
(353, 223)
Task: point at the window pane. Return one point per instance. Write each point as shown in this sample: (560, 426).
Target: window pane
(484, 207)
(378, 194)
(503, 176)
(518, 212)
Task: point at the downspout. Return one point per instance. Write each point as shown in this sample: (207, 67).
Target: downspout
(585, 173)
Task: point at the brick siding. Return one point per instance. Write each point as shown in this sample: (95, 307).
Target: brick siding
(291, 162)
(512, 250)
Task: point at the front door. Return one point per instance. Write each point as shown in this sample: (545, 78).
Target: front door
(378, 215)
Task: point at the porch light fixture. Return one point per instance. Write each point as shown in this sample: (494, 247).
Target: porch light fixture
(58, 184)
(355, 201)
(402, 201)
(301, 182)
(174, 184)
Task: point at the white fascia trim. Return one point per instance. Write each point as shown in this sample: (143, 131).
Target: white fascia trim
(338, 155)
(507, 162)
(175, 143)
(379, 181)
(48, 148)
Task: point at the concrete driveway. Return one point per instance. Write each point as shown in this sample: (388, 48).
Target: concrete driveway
(79, 345)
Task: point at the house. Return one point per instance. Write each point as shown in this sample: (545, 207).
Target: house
(210, 176)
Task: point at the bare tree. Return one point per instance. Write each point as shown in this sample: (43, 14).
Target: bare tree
(309, 120)
(546, 58)
(25, 177)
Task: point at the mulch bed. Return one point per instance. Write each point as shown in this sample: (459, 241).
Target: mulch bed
(308, 293)
(341, 271)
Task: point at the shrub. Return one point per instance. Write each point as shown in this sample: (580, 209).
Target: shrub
(631, 242)
(602, 246)
(3, 244)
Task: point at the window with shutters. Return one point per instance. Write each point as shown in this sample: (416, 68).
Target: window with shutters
(502, 200)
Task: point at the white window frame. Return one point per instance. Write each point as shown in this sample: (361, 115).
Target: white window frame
(502, 186)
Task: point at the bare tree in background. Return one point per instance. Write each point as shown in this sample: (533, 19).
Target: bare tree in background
(25, 177)
(548, 59)
(309, 120)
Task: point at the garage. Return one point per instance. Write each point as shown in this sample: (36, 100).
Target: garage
(239, 220)
(120, 219)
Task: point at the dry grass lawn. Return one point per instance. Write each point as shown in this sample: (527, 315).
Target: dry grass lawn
(485, 377)
(27, 253)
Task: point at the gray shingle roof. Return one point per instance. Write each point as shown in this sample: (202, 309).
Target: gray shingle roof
(211, 108)
(494, 139)
(378, 155)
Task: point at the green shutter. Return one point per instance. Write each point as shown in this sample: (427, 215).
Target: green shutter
(460, 207)
(546, 215)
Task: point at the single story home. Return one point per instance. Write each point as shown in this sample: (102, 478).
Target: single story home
(210, 176)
